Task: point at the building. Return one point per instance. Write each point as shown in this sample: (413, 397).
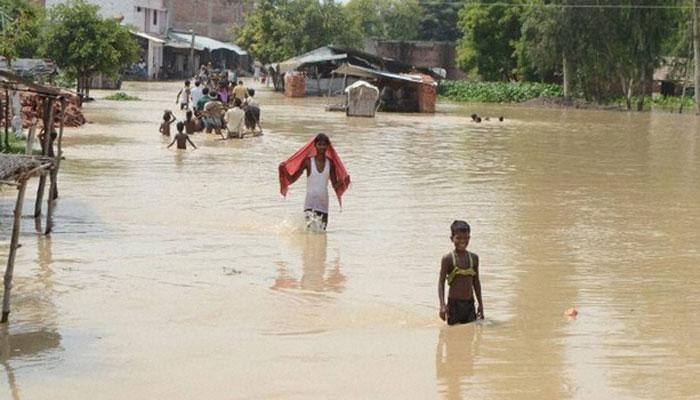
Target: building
(164, 31)
(438, 56)
(211, 18)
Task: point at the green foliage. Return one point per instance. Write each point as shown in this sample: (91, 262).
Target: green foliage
(439, 20)
(20, 28)
(279, 29)
(611, 51)
(490, 35)
(387, 19)
(63, 80)
(497, 92)
(83, 43)
(121, 96)
(16, 146)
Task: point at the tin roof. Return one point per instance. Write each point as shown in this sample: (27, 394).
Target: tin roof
(184, 40)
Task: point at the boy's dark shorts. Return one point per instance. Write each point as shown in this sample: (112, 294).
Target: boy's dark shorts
(460, 311)
(324, 217)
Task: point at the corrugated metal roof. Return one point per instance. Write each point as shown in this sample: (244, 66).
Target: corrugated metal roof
(362, 72)
(201, 43)
(321, 54)
(148, 37)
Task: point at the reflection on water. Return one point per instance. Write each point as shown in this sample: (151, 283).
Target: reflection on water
(454, 358)
(316, 276)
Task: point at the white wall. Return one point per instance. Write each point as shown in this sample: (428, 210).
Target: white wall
(127, 8)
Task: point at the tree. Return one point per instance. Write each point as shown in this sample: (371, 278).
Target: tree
(488, 44)
(439, 20)
(601, 51)
(84, 44)
(279, 29)
(20, 27)
(387, 19)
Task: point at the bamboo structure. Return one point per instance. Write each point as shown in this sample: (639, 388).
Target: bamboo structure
(16, 170)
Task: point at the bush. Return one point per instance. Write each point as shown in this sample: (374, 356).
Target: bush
(668, 103)
(121, 96)
(497, 92)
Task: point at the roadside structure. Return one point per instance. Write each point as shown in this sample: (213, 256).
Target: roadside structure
(328, 70)
(317, 67)
(411, 92)
(17, 170)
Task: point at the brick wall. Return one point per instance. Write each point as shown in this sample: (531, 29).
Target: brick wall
(420, 54)
(212, 18)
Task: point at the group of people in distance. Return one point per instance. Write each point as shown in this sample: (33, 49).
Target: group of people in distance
(228, 110)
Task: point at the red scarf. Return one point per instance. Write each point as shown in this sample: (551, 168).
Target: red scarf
(296, 162)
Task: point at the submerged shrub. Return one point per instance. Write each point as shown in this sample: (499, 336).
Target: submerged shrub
(121, 96)
(497, 92)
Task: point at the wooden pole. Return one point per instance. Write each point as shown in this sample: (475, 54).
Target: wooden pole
(318, 80)
(696, 51)
(193, 68)
(330, 85)
(7, 119)
(13, 251)
(53, 191)
(30, 139)
(48, 127)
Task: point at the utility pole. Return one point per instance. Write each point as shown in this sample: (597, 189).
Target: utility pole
(696, 52)
(193, 68)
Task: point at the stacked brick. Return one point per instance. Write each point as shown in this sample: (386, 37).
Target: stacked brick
(294, 85)
(427, 95)
(31, 108)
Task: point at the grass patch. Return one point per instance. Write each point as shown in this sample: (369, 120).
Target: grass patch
(121, 96)
(497, 92)
(16, 146)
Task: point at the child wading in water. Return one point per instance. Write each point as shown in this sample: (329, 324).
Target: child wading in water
(190, 124)
(461, 271)
(184, 96)
(321, 164)
(168, 119)
(181, 138)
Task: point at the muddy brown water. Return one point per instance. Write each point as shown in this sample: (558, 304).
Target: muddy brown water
(184, 275)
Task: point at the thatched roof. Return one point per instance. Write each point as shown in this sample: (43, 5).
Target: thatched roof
(14, 168)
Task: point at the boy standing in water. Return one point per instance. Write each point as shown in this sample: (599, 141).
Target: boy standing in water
(190, 124)
(319, 170)
(168, 119)
(184, 96)
(181, 138)
(461, 271)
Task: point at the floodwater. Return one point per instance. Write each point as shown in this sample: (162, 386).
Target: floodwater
(185, 275)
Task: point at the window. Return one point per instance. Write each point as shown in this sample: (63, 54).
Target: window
(155, 17)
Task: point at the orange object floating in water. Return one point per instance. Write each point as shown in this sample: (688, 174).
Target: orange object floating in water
(571, 313)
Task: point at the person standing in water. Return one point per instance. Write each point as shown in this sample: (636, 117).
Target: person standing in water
(181, 138)
(319, 170)
(460, 269)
